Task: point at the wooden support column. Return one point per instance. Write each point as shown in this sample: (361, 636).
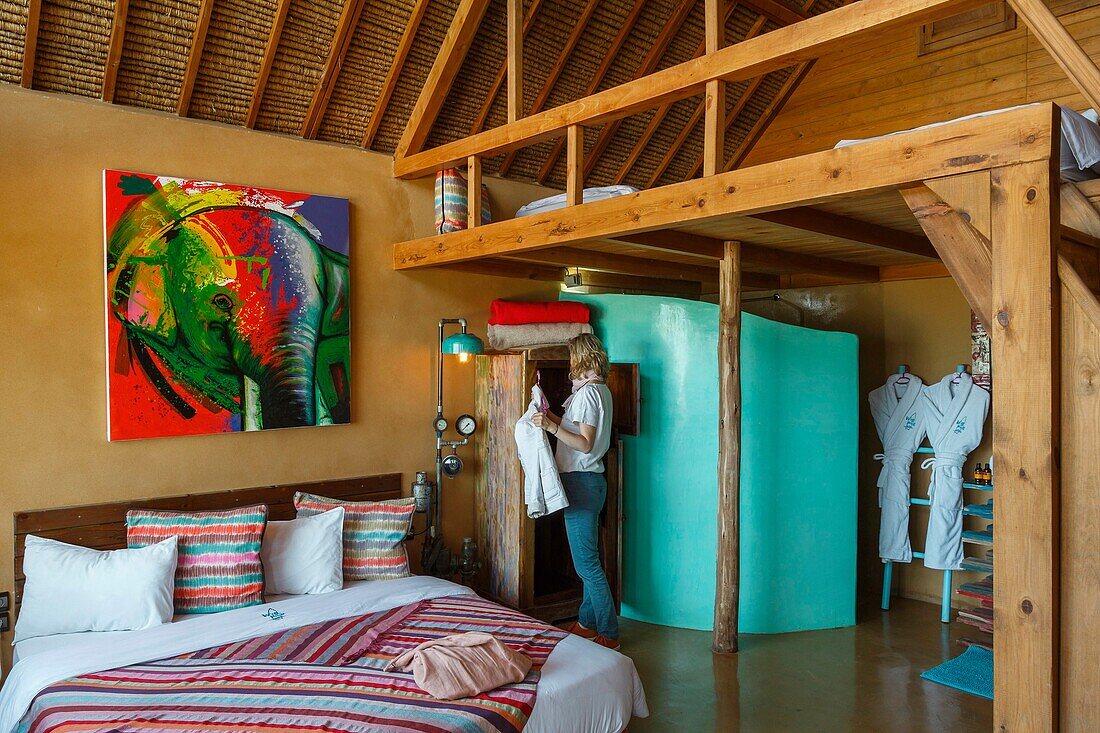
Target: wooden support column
(473, 192)
(729, 450)
(30, 41)
(574, 174)
(1078, 67)
(515, 60)
(1026, 445)
(714, 127)
(114, 49)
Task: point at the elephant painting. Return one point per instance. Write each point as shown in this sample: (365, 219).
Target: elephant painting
(227, 307)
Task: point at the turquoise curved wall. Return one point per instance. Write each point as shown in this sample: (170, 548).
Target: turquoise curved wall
(799, 482)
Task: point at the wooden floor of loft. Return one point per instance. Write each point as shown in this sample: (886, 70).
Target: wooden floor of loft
(826, 218)
(861, 678)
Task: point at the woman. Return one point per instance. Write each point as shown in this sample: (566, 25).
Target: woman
(584, 435)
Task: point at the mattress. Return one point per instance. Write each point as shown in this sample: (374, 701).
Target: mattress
(596, 193)
(583, 686)
(1079, 156)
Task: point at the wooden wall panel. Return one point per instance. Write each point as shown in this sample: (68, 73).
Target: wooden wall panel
(881, 85)
(1080, 672)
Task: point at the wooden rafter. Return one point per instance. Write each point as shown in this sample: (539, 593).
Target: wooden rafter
(775, 10)
(456, 43)
(649, 62)
(403, 48)
(1070, 57)
(502, 72)
(633, 284)
(265, 64)
(781, 48)
(888, 163)
(595, 82)
(341, 40)
(30, 41)
(714, 101)
(770, 113)
(692, 123)
(194, 57)
(555, 72)
(846, 229)
(114, 49)
(514, 59)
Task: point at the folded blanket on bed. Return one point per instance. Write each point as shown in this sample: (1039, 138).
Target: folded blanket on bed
(519, 313)
(462, 665)
(534, 334)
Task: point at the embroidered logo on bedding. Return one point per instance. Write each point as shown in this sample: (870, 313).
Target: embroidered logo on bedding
(911, 421)
(960, 425)
(273, 614)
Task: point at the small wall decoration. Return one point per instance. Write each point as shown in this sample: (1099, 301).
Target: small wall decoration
(227, 307)
(980, 359)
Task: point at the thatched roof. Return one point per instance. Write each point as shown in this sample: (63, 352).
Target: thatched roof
(72, 50)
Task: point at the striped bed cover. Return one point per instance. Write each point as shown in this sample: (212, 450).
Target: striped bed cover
(328, 676)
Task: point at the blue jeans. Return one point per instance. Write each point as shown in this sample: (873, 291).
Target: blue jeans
(587, 493)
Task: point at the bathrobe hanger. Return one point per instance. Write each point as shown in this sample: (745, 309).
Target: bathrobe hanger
(960, 369)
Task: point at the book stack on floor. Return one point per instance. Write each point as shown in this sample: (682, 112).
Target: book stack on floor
(981, 616)
(522, 325)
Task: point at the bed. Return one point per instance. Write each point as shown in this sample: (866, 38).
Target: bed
(304, 662)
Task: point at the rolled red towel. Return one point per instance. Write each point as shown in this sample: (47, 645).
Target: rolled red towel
(518, 313)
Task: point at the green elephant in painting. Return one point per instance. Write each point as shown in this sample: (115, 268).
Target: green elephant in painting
(239, 303)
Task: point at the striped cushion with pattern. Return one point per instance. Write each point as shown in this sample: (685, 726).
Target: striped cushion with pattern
(219, 554)
(374, 534)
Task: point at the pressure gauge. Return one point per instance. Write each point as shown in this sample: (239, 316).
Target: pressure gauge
(452, 466)
(440, 424)
(466, 425)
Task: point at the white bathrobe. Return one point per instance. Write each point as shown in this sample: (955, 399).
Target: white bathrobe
(955, 415)
(542, 489)
(900, 424)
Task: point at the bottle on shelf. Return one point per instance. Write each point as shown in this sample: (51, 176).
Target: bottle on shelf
(979, 473)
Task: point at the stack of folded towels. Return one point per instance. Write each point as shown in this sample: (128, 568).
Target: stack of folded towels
(519, 325)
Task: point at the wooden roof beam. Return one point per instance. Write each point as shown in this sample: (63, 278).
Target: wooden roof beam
(770, 113)
(114, 49)
(559, 66)
(836, 226)
(777, 50)
(502, 72)
(775, 10)
(265, 64)
(388, 86)
(1070, 57)
(449, 60)
(1019, 135)
(649, 62)
(337, 50)
(30, 41)
(755, 257)
(194, 57)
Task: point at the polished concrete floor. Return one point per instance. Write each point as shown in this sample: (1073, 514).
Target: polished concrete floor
(865, 678)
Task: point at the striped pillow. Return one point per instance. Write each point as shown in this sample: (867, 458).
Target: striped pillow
(374, 534)
(219, 554)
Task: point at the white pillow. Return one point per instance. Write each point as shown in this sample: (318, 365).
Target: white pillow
(305, 555)
(71, 589)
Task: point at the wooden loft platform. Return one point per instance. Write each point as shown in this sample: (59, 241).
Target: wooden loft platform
(829, 217)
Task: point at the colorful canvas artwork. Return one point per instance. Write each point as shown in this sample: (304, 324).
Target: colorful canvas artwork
(227, 307)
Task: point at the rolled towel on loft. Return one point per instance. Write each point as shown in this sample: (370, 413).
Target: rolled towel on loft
(502, 338)
(520, 313)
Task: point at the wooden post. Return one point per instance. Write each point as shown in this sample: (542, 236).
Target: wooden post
(729, 450)
(515, 60)
(473, 192)
(714, 127)
(574, 175)
(1026, 445)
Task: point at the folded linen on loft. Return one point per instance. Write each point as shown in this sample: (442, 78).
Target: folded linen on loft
(534, 334)
(519, 313)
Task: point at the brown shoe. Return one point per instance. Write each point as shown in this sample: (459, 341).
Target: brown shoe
(612, 644)
(576, 628)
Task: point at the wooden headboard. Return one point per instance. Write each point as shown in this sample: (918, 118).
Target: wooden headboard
(103, 526)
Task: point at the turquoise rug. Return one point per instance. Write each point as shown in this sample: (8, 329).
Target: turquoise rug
(971, 671)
